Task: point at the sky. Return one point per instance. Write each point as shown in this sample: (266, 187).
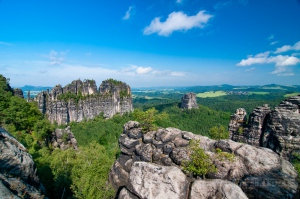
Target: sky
(150, 43)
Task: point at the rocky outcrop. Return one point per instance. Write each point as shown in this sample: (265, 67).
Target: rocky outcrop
(18, 92)
(277, 129)
(189, 101)
(18, 178)
(81, 100)
(257, 172)
(63, 139)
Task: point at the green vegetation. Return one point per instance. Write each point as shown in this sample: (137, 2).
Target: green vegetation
(114, 82)
(211, 94)
(291, 94)
(149, 119)
(259, 93)
(200, 163)
(222, 156)
(218, 133)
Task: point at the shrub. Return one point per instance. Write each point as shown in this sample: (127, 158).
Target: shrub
(199, 163)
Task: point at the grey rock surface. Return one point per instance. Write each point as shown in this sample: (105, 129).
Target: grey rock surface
(18, 177)
(18, 92)
(277, 129)
(63, 139)
(150, 181)
(189, 101)
(206, 189)
(111, 98)
(255, 170)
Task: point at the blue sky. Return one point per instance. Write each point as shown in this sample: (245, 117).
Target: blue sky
(150, 43)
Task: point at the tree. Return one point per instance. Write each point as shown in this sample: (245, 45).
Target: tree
(199, 163)
(89, 173)
(218, 132)
(148, 119)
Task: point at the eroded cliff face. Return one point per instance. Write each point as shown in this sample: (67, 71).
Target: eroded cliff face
(18, 178)
(81, 100)
(277, 129)
(149, 166)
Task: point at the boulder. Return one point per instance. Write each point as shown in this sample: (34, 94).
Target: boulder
(150, 181)
(206, 189)
(18, 174)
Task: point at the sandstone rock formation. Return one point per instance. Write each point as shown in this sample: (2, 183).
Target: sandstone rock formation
(18, 92)
(81, 100)
(63, 139)
(18, 178)
(256, 172)
(189, 101)
(277, 129)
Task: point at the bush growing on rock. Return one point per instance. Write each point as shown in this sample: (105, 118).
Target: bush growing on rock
(148, 119)
(199, 163)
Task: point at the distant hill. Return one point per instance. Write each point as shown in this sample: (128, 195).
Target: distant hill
(35, 88)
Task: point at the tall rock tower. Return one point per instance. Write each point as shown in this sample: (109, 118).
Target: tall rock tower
(189, 101)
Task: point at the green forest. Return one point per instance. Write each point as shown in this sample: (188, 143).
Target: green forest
(83, 173)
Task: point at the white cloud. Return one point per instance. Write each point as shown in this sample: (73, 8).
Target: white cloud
(177, 21)
(143, 70)
(282, 62)
(286, 48)
(6, 43)
(56, 58)
(177, 74)
(274, 42)
(264, 58)
(129, 13)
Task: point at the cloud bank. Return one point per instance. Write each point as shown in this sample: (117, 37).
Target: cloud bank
(177, 21)
(282, 62)
(286, 48)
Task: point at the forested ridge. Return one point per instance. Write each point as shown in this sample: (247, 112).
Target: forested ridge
(83, 173)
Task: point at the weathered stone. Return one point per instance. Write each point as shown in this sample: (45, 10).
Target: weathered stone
(278, 129)
(125, 194)
(18, 92)
(63, 139)
(248, 165)
(145, 152)
(189, 101)
(135, 133)
(169, 134)
(113, 97)
(18, 174)
(207, 189)
(127, 142)
(118, 176)
(154, 181)
(180, 142)
(148, 137)
(179, 154)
